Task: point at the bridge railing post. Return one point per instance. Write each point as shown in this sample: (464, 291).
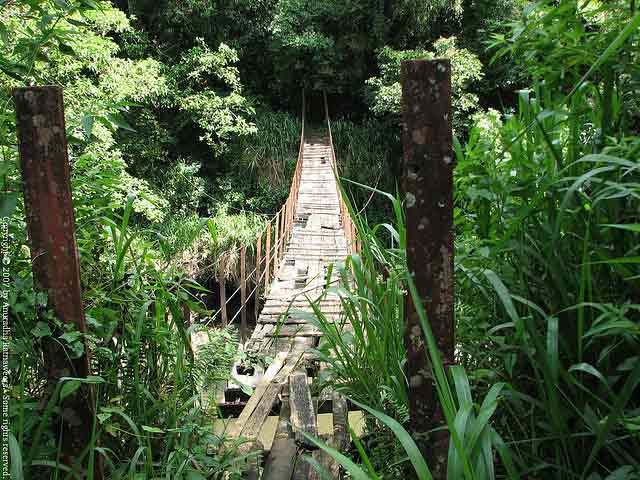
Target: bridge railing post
(56, 270)
(243, 295)
(427, 184)
(267, 260)
(223, 295)
(257, 282)
(276, 244)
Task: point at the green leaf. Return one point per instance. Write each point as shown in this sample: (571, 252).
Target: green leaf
(103, 417)
(41, 330)
(552, 346)
(70, 337)
(118, 120)
(193, 475)
(17, 471)
(149, 429)
(66, 49)
(505, 298)
(89, 379)
(68, 388)
(87, 126)
(620, 260)
(77, 23)
(354, 470)
(8, 203)
(416, 458)
(632, 227)
(91, 4)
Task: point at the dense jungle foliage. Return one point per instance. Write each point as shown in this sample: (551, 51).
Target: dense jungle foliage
(183, 122)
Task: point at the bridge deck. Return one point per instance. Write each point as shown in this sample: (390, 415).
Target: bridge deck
(284, 333)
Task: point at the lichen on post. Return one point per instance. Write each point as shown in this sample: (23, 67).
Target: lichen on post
(50, 219)
(427, 185)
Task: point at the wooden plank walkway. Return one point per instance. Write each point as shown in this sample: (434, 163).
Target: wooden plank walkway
(284, 333)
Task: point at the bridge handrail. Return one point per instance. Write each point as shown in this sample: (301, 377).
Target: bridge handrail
(350, 231)
(279, 230)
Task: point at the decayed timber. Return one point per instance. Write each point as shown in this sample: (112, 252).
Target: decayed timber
(311, 237)
(282, 459)
(303, 414)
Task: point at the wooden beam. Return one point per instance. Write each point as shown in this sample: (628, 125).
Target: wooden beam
(51, 225)
(303, 415)
(281, 459)
(427, 185)
(340, 421)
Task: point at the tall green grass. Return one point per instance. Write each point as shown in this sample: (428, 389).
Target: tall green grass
(547, 215)
(368, 153)
(366, 355)
(364, 348)
(150, 421)
(551, 263)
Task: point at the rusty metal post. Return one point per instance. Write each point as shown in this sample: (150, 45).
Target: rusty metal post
(276, 243)
(56, 270)
(287, 216)
(283, 225)
(267, 259)
(243, 295)
(257, 282)
(427, 184)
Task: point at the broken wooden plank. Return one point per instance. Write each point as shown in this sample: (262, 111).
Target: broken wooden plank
(258, 392)
(340, 422)
(303, 415)
(257, 410)
(253, 425)
(301, 330)
(281, 460)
